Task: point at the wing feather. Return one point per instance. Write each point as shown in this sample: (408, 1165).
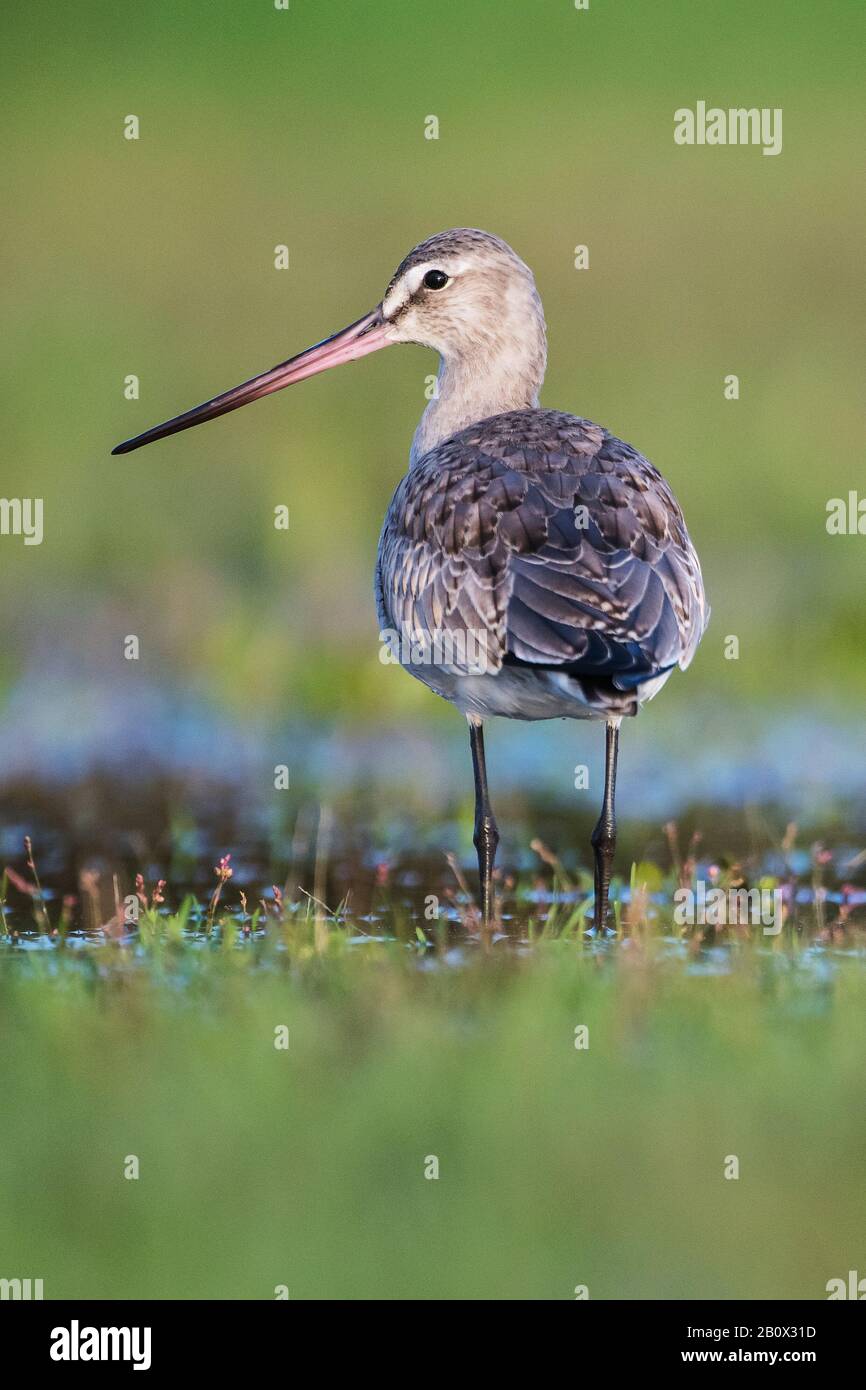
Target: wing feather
(557, 543)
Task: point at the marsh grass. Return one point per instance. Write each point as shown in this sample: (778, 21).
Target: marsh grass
(558, 1166)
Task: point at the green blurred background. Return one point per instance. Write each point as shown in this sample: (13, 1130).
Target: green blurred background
(306, 127)
(155, 257)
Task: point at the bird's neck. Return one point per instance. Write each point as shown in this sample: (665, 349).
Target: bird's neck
(475, 387)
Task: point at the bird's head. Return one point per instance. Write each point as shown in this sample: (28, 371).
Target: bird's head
(464, 293)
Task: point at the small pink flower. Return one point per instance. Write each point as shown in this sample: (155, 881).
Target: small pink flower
(223, 870)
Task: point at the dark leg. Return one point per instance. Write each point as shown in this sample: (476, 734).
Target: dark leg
(604, 835)
(486, 835)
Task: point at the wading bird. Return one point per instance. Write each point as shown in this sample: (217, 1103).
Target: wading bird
(531, 538)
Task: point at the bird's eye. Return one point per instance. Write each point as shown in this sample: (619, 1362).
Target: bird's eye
(435, 279)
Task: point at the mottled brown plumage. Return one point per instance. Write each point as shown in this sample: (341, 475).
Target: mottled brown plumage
(561, 543)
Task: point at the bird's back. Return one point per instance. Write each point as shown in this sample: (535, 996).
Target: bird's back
(558, 546)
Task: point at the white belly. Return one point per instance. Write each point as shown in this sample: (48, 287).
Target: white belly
(517, 692)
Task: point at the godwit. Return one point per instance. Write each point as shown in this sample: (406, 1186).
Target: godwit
(534, 565)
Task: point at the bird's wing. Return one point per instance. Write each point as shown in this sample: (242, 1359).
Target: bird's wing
(560, 544)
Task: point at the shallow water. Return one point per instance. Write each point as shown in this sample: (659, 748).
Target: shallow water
(368, 902)
(110, 784)
(63, 726)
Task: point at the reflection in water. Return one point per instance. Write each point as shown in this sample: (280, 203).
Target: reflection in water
(163, 786)
(708, 752)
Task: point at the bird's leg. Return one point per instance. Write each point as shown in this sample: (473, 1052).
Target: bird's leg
(604, 834)
(486, 834)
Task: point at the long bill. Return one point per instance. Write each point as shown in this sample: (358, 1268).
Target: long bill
(366, 335)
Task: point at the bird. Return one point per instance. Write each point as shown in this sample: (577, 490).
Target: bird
(531, 564)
